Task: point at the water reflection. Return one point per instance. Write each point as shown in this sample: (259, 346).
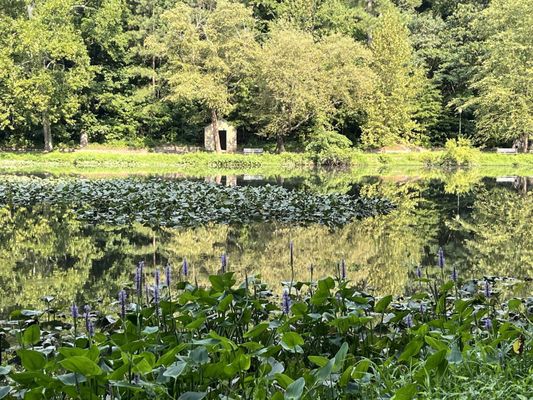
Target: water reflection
(484, 226)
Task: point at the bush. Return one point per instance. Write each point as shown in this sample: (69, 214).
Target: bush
(459, 152)
(329, 148)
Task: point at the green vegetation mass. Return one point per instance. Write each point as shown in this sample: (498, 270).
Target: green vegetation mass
(160, 202)
(321, 340)
(321, 75)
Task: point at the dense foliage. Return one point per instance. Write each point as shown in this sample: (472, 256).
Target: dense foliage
(379, 72)
(321, 340)
(159, 202)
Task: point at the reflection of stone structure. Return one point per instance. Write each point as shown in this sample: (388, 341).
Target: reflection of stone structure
(227, 134)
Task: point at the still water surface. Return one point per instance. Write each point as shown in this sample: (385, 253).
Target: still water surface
(483, 225)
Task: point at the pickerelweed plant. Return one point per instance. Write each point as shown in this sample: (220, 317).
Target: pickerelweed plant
(323, 339)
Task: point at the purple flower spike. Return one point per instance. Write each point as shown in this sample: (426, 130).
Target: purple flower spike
(185, 267)
(74, 311)
(286, 302)
(409, 321)
(343, 269)
(157, 278)
(90, 329)
(487, 289)
(156, 290)
(487, 324)
(224, 262)
(454, 275)
(418, 272)
(441, 257)
(139, 278)
(122, 300)
(167, 275)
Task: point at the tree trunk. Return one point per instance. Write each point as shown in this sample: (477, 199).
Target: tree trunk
(47, 131)
(214, 124)
(280, 145)
(369, 9)
(525, 142)
(154, 89)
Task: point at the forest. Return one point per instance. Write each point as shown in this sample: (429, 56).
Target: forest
(364, 73)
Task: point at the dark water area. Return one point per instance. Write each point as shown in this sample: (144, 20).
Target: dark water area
(482, 224)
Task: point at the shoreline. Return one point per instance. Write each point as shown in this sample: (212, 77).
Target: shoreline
(114, 161)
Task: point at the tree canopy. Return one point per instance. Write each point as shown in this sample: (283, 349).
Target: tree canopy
(378, 72)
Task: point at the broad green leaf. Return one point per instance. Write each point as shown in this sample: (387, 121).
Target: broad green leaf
(361, 368)
(295, 389)
(175, 369)
(292, 339)
(299, 308)
(71, 379)
(339, 357)
(224, 304)
(81, 365)
(382, 304)
(256, 330)
(412, 349)
(284, 380)
(4, 391)
(408, 392)
(31, 360)
(325, 372)
(31, 335)
(318, 360)
(455, 356)
(198, 322)
(199, 355)
(192, 396)
(435, 343)
(346, 375)
(514, 304)
(434, 360)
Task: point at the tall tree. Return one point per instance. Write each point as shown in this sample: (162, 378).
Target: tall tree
(505, 78)
(455, 59)
(303, 83)
(210, 48)
(52, 61)
(8, 109)
(391, 113)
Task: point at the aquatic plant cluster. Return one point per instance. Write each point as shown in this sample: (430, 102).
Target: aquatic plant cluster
(167, 202)
(169, 338)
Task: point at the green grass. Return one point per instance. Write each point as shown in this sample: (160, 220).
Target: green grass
(116, 161)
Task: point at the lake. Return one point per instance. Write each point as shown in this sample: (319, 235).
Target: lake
(483, 224)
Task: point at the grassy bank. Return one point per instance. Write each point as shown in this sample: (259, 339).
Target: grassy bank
(113, 161)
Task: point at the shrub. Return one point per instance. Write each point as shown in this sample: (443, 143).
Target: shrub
(329, 148)
(459, 152)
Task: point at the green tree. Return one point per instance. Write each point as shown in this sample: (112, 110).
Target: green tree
(391, 112)
(209, 50)
(8, 70)
(303, 83)
(505, 78)
(52, 62)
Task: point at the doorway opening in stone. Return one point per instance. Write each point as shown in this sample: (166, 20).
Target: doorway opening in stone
(222, 135)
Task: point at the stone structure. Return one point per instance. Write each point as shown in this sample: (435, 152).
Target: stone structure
(227, 134)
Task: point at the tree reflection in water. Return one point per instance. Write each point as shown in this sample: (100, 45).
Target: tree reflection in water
(485, 230)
